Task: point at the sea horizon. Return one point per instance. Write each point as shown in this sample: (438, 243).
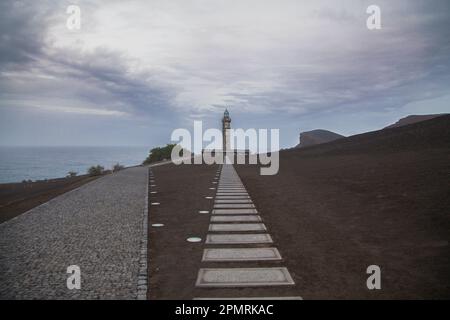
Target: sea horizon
(18, 163)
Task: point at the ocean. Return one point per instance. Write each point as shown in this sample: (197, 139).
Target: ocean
(38, 163)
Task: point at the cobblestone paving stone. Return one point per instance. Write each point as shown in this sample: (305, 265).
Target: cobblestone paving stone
(97, 227)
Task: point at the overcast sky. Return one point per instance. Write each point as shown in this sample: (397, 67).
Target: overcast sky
(136, 70)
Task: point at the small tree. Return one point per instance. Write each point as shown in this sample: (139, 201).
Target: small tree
(71, 174)
(159, 154)
(118, 167)
(95, 170)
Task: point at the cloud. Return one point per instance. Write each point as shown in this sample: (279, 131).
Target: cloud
(98, 77)
(280, 62)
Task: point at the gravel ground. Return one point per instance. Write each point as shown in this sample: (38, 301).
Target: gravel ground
(97, 227)
(380, 198)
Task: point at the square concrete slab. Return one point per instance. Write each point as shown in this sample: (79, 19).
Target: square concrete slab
(233, 201)
(220, 186)
(241, 254)
(252, 298)
(232, 197)
(232, 205)
(243, 277)
(248, 218)
(230, 186)
(258, 238)
(232, 191)
(230, 183)
(235, 211)
(237, 227)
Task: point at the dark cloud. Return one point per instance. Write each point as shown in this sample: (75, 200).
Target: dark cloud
(106, 71)
(20, 33)
(280, 65)
(36, 73)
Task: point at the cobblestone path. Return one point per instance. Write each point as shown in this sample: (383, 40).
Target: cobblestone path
(98, 227)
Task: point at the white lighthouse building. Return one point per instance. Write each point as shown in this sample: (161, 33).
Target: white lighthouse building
(226, 126)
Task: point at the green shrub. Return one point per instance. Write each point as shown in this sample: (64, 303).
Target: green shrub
(118, 167)
(71, 174)
(95, 170)
(159, 154)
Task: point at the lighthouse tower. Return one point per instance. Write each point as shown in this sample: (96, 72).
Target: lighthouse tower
(226, 126)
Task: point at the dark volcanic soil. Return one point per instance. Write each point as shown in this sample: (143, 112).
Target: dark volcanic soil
(380, 198)
(174, 262)
(17, 198)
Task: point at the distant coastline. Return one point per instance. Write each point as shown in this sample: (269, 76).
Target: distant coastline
(19, 163)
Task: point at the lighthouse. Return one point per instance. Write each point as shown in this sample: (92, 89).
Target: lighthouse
(226, 126)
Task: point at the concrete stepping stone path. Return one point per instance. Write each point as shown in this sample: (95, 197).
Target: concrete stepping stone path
(234, 211)
(240, 227)
(243, 277)
(261, 238)
(233, 201)
(249, 218)
(241, 254)
(232, 197)
(252, 298)
(232, 205)
(237, 235)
